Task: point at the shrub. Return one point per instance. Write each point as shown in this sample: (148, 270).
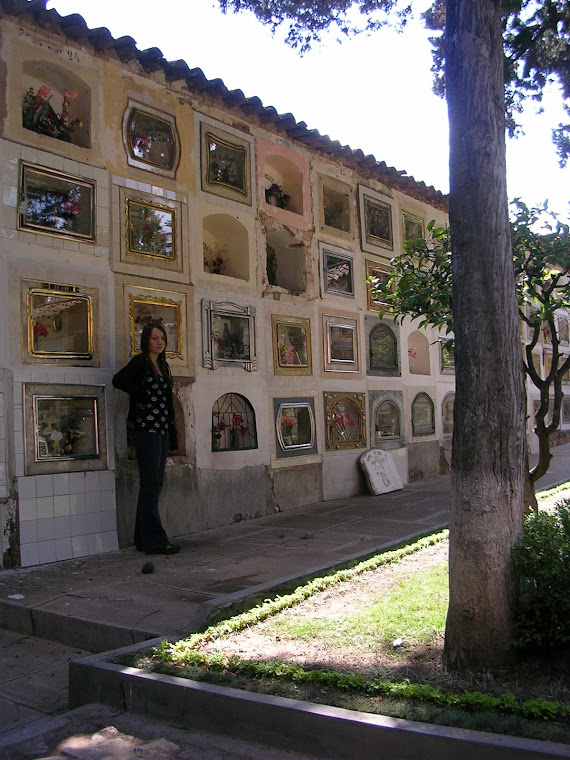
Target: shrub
(542, 561)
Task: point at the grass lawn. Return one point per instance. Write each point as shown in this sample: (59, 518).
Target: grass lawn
(369, 638)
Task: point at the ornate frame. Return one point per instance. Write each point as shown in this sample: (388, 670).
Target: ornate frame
(412, 227)
(232, 163)
(376, 222)
(140, 303)
(337, 266)
(52, 451)
(338, 420)
(375, 269)
(156, 256)
(291, 333)
(59, 298)
(286, 445)
(239, 346)
(166, 169)
(340, 336)
(73, 203)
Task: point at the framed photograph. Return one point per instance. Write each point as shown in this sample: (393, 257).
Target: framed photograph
(338, 273)
(151, 229)
(382, 273)
(225, 164)
(59, 322)
(341, 344)
(295, 427)
(167, 312)
(412, 227)
(291, 345)
(151, 139)
(58, 204)
(375, 220)
(228, 335)
(65, 428)
(345, 420)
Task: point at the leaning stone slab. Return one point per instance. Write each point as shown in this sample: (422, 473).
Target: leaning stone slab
(380, 471)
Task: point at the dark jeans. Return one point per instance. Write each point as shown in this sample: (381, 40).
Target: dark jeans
(151, 450)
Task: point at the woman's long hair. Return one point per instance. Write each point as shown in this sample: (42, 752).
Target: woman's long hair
(145, 340)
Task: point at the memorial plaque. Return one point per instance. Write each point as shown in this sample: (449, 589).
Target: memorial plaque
(380, 471)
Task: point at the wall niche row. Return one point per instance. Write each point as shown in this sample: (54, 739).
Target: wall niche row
(56, 103)
(286, 261)
(283, 184)
(225, 243)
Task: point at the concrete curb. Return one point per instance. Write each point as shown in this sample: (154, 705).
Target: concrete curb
(287, 723)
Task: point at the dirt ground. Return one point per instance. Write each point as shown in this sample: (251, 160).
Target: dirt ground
(418, 664)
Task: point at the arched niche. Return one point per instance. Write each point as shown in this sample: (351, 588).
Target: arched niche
(41, 74)
(418, 354)
(447, 415)
(383, 350)
(285, 261)
(283, 184)
(423, 422)
(387, 422)
(225, 246)
(233, 423)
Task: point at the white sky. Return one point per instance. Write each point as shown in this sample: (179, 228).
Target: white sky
(372, 93)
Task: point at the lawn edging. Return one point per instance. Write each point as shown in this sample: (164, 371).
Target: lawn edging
(283, 722)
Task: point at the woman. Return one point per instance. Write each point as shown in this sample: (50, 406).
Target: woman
(147, 380)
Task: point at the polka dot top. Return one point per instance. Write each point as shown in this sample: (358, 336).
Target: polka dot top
(152, 417)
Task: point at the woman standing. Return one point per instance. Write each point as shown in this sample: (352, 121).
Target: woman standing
(147, 380)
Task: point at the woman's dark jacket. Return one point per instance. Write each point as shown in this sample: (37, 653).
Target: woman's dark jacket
(131, 380)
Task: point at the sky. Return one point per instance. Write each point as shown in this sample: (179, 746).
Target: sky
(371, 92)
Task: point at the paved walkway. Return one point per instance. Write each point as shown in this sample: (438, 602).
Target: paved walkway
(100, 603)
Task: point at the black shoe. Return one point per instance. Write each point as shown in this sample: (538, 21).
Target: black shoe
(163, 549)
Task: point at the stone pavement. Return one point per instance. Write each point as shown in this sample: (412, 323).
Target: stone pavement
(63, 610)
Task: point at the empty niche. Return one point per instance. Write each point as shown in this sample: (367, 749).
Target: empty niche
(418, 354)
(56, 103)
(283, 184)
(285, 261)
(225, 246)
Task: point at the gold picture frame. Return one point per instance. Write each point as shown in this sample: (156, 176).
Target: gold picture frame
(226, 164)
(291, 345)
(60, 321)
(152, 308)
(376, 225)
(57, 204)
(151, 231)
(345, 420)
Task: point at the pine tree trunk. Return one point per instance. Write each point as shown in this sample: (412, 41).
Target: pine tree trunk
(489, 416)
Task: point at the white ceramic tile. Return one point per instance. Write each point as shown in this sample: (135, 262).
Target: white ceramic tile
(78, 525)
(110, 541)
(107, 478)
(4, 491)
(44, 485)
(77, 504)
(28, 531)
(46, 529)
(60, 483)
(76, 482)
(79, 546)
(93, 522)
(107, 501)
(46, 551)
(45, 506)
(62, 506)
(63, 549)
(18, 421)
(92, 482)
(29, 555)
(28, 509)
(93, 501)
(27, 487)
(95, 543)
(62, 527)
(108, 520)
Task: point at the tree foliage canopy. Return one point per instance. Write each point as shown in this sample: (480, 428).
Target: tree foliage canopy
(536, 37)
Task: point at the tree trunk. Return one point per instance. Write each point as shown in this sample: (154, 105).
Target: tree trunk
(489, 417)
